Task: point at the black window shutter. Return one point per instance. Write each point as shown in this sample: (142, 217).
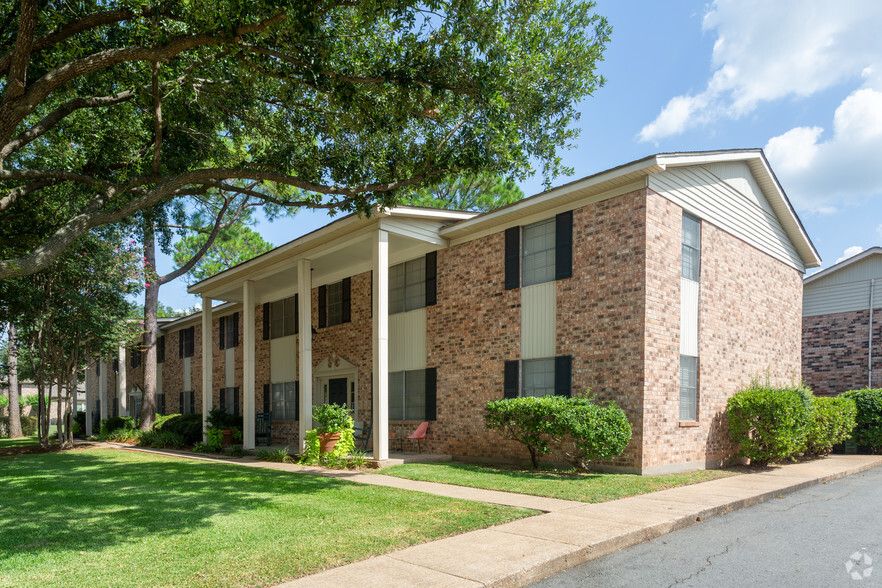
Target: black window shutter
(116, 366)
(192, 341)
(296, 313)
(510, 383)
(512, 258)
(297, 400)
(236, 401)
(347, 300)
(431, 394)
(266, 320)
(220, 331)
(563, 255)
(266, 398)
(162, 403)
(116, 407)
(223, 398)
(193, 401)
(323, 306)
(181, 403)
(563, 375)
(431, 278)
(235, 329)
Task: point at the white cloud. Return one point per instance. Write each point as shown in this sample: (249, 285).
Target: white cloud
(850, 252)
(767, 51)
(821, 171)
(879, 230)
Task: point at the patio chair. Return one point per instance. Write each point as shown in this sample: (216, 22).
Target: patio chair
(264, 427)
(362, 434)
(419, 435)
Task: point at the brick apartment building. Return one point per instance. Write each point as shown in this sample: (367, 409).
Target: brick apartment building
(841, 335)
(664, 284)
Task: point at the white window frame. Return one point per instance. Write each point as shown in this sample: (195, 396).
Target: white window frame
(282, 313)
(532, 251)
(527, 366)
(288, 401)
(409, 388)
(688, 388)
(407, 285)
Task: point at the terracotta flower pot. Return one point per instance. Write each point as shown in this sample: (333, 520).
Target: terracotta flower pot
(228, 438)
(327, 442)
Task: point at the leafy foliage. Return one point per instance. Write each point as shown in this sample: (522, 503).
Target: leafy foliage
(28, 426)
(768, 424)
(480, 192)
(592, 432)
(112, 424)
(869, 417)
(161, 439)
(832, 421)
(323, 104)
(233, 245)
(188, 426)
(275, 455)
(584, 430)
(332, 418)
(336, 458)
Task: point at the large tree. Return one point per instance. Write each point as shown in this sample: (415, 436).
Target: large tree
(479, 192)
(112, 107)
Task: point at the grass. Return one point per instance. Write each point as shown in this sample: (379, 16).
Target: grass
(20, 442)
(115, 518)
(551, 483)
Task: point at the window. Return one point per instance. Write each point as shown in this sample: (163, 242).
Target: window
(283, 317)
(545, 255)
(335, 303)
(688, 388)
(538, 377)
(160, 403)
(187, 402)
(134, 358)
(407, 286)
(285, 398)
(539, 249)
(691, 265)
(228, 331)
(412, 395)
(160, 350)
(185, 342)
(229, 400)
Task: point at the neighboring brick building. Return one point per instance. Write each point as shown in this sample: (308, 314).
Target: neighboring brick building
(841, 334)
(665, 284)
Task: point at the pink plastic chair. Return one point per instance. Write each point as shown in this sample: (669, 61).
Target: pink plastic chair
(419, 434)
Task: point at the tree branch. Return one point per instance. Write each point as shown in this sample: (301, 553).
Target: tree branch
(21, 53)
(16, 193)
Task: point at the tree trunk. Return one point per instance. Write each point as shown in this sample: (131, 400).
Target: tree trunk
(14, 407)
(151, 307)
(59, 415)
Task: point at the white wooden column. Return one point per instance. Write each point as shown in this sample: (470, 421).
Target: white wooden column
(91, 385)
(304, 369)
(207, 363)
(102, 389)
(121, 394)
(380, 397)
(248, 341)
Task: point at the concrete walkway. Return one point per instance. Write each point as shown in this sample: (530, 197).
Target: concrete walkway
(567, 534)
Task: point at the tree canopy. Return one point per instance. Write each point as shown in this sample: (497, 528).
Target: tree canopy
(111, 107)
(479, 192)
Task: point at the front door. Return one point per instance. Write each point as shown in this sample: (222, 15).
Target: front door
(337, 391)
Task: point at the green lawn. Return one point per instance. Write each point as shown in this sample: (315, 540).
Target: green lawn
(20, 442)
(115, 518)
(566, 485)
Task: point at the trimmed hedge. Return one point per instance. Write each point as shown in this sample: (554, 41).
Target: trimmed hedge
(188, 426)
(831, 423)
(585, 431)
(111, 424)
(768, 424)
(869, 417)
(28, 426)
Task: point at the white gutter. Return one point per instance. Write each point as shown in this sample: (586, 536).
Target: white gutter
(870, 358)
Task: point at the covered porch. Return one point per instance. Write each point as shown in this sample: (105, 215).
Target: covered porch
(328, 353)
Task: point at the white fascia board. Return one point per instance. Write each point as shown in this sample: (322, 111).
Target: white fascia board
(185, 321)
(843, 264)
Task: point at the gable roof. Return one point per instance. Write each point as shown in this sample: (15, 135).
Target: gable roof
(843, 264)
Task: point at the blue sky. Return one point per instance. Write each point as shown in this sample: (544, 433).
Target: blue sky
(801, 79)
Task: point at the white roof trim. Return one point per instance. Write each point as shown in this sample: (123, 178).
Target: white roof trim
(184, 320)
(843, 264)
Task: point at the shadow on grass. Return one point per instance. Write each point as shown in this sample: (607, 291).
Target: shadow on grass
(87, 500)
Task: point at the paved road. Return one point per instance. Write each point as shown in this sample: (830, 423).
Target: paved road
(800, 539)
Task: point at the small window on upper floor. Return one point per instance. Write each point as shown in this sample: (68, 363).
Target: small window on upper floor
(228, 331)
(407, 286)
(283, 317)
(186, 339)
(691, 263)
(160, 350)
(538, 254)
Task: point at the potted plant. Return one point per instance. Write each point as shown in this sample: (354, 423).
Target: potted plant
(333, 419)
(229, 424)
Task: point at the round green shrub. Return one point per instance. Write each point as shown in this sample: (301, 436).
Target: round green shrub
(111, 424)
(832, 421)
(188, 426)
(768, 424)
(528, 420)
(869, 417)
(592, 432)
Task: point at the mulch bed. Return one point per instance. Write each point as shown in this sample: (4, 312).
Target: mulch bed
(7, 451)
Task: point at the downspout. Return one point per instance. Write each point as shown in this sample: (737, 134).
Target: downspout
(870, 358)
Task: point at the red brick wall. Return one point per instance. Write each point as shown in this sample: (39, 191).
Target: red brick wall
(749, 325)
(835, 351)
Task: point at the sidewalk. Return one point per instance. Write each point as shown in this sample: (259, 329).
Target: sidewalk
(567, 534)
